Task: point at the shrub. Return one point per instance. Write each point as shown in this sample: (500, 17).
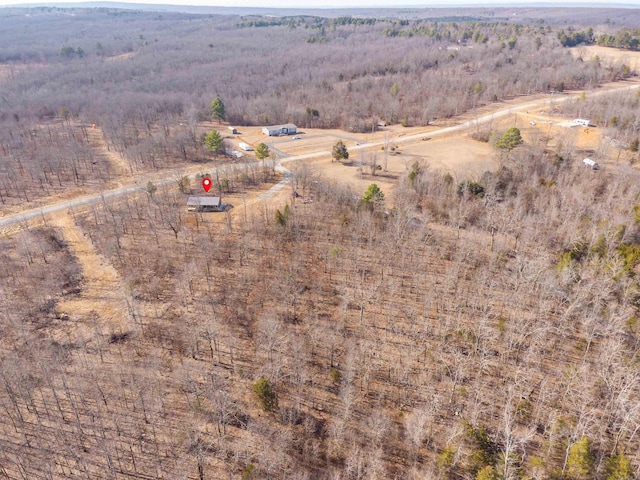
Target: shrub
(474, 188)
(630, 255)
(575, 254)
(524, 409)
(247, 473)
(487, 473)
(445, 459)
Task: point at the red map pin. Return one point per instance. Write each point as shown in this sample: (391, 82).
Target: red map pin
(206, 184)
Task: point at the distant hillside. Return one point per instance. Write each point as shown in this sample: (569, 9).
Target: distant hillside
(554, 13)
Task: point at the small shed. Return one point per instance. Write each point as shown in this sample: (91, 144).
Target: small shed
(233, 129)
(204, 204)
(246, 147)
(276, 130)
(591, 164)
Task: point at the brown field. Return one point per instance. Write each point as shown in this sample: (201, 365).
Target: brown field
(630, 58)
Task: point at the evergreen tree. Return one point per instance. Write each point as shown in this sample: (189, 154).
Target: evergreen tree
(262, 151)
(580, 461)
(509, 139)
(217, 109)
(372, 197)
(266, 396)
(340, 151)
(619, 468)
(213, 141)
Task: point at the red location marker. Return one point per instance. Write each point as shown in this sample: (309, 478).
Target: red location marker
(206, 184)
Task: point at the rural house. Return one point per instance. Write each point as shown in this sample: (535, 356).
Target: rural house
(204, 204)
(275, 130)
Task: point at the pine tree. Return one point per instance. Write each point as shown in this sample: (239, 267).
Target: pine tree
(213, 141)
(619, 468)
(262, 151)
(580, 461)
(217, 109)
(509, 139)
(340, 151)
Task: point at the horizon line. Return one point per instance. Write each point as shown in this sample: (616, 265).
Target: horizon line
(494, 4)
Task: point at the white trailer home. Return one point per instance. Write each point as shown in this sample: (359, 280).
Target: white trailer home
(581, 122)
(246, 147)
(592, 164)
(277, 130)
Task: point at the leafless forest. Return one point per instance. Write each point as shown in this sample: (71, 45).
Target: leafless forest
(464, 328)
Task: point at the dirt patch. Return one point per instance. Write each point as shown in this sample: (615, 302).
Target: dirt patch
(102, 303)
(122, 56)
(459, 155)
(537, 128)
(118, 164)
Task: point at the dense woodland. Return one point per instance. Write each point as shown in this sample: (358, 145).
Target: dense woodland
(483, 328)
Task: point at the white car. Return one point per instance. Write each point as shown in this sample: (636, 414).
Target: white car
(297, 137)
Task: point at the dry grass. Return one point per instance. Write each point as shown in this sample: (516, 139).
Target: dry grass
(628, 57)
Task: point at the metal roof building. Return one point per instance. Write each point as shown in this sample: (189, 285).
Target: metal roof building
(275, 130)
(204, 204)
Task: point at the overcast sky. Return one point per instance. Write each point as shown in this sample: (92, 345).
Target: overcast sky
(342, 3)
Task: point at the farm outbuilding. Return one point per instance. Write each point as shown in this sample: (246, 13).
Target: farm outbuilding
(576, 122)
(204, 204)
(591, 163)
(276, 130)
(581, 122)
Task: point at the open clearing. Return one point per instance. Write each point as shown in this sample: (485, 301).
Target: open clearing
(459, 155)
(632, 59)
(452, 151)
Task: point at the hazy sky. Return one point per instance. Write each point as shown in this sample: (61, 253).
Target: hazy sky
(339, 3)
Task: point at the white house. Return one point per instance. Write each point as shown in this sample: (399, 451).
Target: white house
(276, 130)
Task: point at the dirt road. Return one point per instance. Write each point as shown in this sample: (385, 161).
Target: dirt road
(164, 178)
